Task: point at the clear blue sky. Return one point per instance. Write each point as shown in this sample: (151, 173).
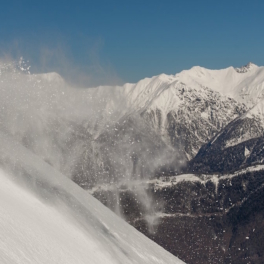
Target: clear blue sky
(129, 40)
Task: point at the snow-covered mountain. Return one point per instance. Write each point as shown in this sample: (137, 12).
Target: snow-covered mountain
(46, 218)
(245, 85)
(183, 115)
(189, 108)
(121, 134)
(151, 123)
(185, 110)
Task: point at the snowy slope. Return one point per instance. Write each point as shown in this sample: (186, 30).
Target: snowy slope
(46, 218)
(245, 84)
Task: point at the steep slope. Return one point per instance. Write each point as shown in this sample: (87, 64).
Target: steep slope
(239, 144)
(46, 218)
(186, 117)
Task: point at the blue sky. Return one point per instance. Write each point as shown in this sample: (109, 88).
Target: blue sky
(125, 41)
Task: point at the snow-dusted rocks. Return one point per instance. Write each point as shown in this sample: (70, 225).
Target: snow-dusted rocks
(195, 117)
(250, 66)
(239, 144)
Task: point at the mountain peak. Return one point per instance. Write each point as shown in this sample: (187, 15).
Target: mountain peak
(246, 68)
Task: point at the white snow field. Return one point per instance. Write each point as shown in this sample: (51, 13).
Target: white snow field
(46, 218)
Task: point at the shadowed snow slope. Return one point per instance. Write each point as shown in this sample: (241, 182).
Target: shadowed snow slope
(46, 218)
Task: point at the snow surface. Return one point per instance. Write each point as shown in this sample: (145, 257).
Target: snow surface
(46, 218)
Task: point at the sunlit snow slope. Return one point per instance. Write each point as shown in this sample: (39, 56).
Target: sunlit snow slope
(46, 218)
(245, 84)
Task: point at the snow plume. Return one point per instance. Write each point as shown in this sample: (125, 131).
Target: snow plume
(90, 69)
(130, 152)
(151, 209)
(90, 135)
(133, 153)
(46, 114)
(31, 106)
